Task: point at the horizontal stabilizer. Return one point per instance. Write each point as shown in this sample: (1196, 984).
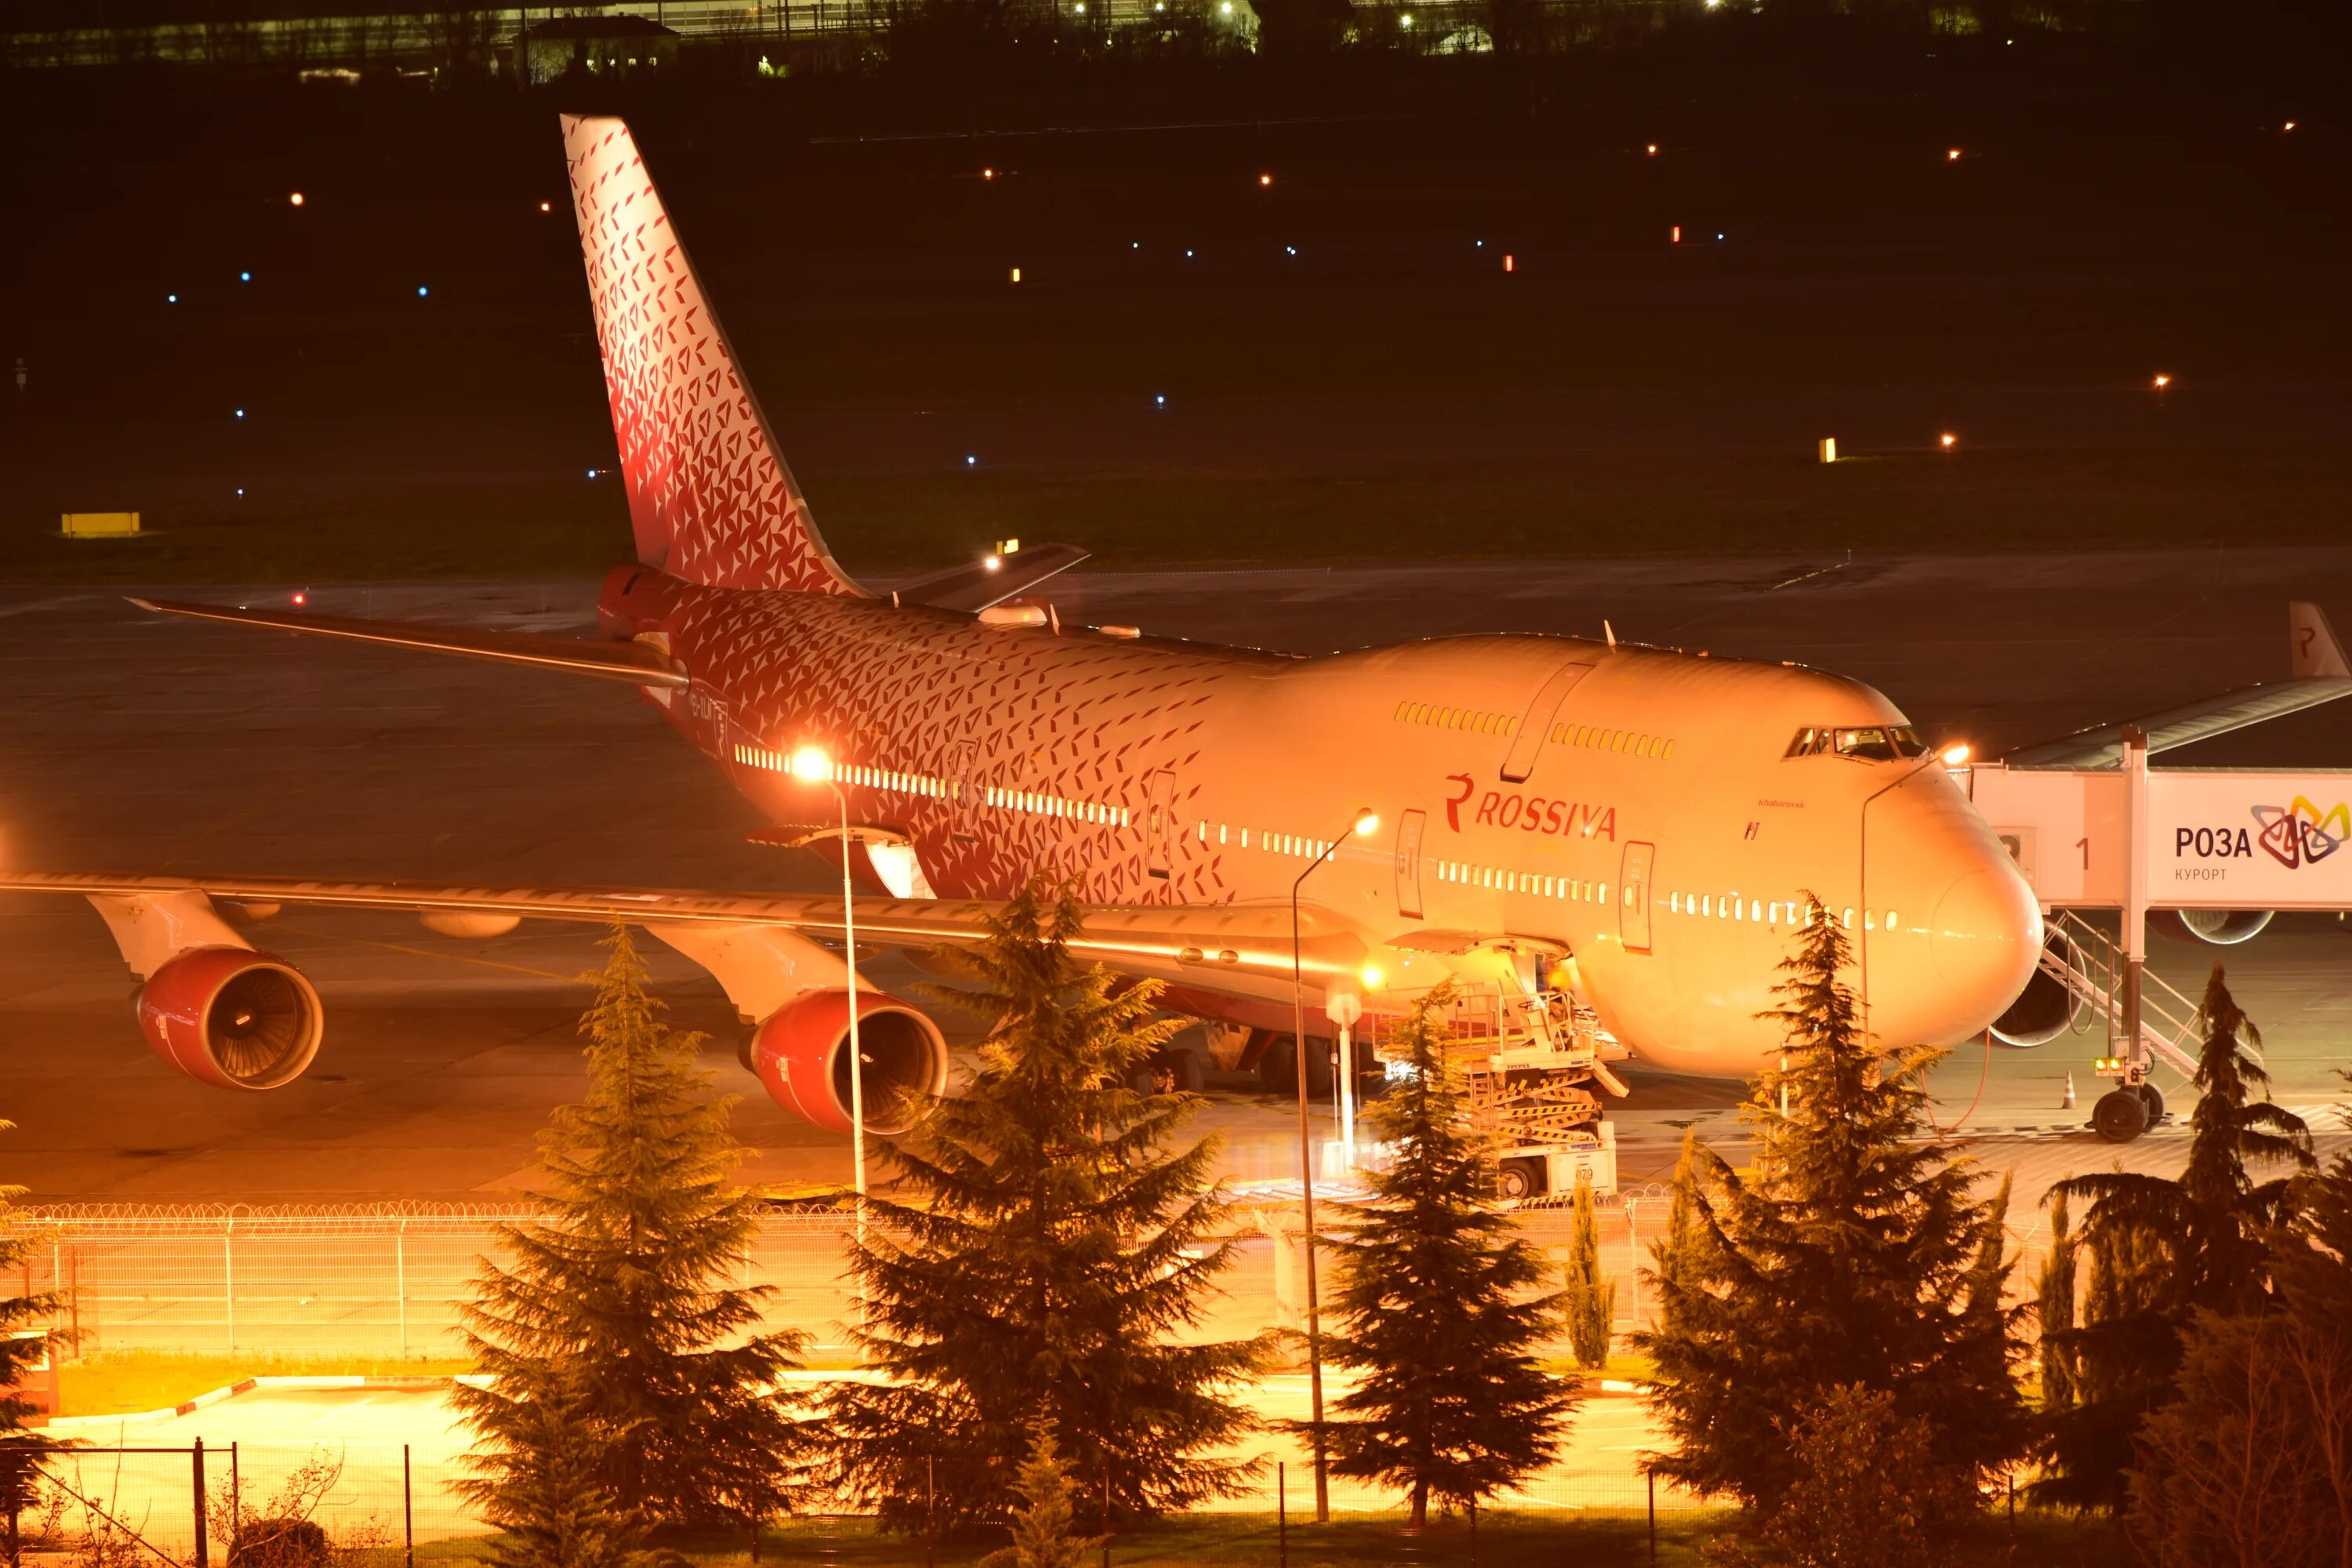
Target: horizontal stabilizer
(635, 663)
(979, 584)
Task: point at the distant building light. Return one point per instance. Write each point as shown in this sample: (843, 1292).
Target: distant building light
(241, 414)
(2162, 381)
(972, 460)
(1405, 21)
(1952, 155)
(592, 473)
(1265, 180)
(1947, 440)
(1016, 275)
(2288, 126)
(171, 299)
(1653, 148)
(547, 206)
(1160, 401)
(1511, 264)
(296, 199)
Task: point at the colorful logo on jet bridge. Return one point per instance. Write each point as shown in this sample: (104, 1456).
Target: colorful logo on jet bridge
(2300, 834)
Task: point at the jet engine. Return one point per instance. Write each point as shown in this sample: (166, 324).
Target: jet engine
(2042, 1011)
(2222, 928)
(801, 1055)
(232, 1017)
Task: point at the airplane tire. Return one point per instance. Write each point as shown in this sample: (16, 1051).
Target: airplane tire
(1192, 1072)
(1277, 1067)
(2120, 1116)
(2153, 1098)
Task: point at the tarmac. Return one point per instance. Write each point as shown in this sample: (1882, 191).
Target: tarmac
(144, 744)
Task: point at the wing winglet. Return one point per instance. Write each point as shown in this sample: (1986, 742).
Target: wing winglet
(2312, 645)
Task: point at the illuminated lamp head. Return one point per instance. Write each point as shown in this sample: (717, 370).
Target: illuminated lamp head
(810, 765)
(1366, 821)
(1956, 753)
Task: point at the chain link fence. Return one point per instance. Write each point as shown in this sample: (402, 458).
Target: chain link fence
(386, 1282)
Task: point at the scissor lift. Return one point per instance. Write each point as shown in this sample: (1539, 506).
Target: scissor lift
(1531, 1065)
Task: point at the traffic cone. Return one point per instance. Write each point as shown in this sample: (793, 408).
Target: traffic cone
(2068, 1103)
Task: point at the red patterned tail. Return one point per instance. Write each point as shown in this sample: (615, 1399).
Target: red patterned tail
(709, 496)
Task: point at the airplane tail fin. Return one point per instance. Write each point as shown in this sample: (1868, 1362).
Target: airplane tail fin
(2311, 642)
(711, 499)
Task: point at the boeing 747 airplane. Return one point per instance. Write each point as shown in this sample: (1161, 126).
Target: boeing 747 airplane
(1641, 828)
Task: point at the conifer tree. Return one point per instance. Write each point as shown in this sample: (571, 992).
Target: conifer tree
(1047, 1512)
(1433, 1305)
(1591, 1299)
(1057, 1243)
(555, 1506)
(2053, 1308)
(613, 1307)
(2164, 1249)
(2251, 1461)
(1855, 1253)
(21, 1450)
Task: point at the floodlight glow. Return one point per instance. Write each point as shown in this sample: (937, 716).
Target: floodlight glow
(1367, 820)
(244, 276)
(1653, 148)
(171, 299)
(2162, 381)
(422, 290)
(241, 414)
(546, 206)
(1372, 976)
(1947, 440)
(972, 460)
(1956, 753)
(296, 199)
(1405, 21)
(810, 765)
(1952, 155)
(991, 564)
(1266, 180)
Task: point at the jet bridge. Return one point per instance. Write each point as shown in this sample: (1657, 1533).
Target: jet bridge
(2220, 849)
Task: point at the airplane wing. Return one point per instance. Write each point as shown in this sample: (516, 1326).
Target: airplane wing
(2320, 676)
(979, 584)
(1244, 947)
(635, 663)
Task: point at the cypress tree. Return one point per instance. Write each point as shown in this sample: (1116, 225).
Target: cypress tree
(555, 1507)
(1855, 1253)
(1434, 1306)
(2053, 1310)
(1055, 1244)
(1591, 1299)
(2164, 1249)
(1047, 1512)
(611, 1328)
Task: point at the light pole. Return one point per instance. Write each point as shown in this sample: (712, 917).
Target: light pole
(1365, 820)
(1951, 756)
(810, 765)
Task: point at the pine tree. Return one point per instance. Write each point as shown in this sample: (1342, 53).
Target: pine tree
(2251, 1460)
(1433, 1305)
(1591, 1299)
(22, 1451)
(1056, 1245)
(2164, 1249)
(2053, 1309)
(1856, 1252)
(1046, 1514)
(555, 1504)
(613, 1306)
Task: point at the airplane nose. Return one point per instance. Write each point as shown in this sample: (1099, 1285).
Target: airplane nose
(1985, 940)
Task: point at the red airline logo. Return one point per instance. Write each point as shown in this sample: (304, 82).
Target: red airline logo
(1531, 813)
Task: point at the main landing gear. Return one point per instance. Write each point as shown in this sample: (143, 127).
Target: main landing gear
(2127, 1110)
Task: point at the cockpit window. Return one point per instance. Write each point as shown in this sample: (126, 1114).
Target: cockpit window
(1869, 744)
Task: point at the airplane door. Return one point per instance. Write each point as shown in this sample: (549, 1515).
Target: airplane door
(1408, 862)
(1159, 822)
(1536, 726)
(1633, 898)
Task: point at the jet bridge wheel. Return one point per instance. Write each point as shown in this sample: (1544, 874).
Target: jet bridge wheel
(2120, 1116)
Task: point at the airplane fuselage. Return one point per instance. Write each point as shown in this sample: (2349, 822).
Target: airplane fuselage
(1642, 810)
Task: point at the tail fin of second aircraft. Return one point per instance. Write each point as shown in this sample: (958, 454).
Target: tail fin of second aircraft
(711, 499)
(2311, 642)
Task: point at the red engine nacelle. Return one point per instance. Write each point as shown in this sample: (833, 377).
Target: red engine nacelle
(232, 1017)
(801, 1055)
